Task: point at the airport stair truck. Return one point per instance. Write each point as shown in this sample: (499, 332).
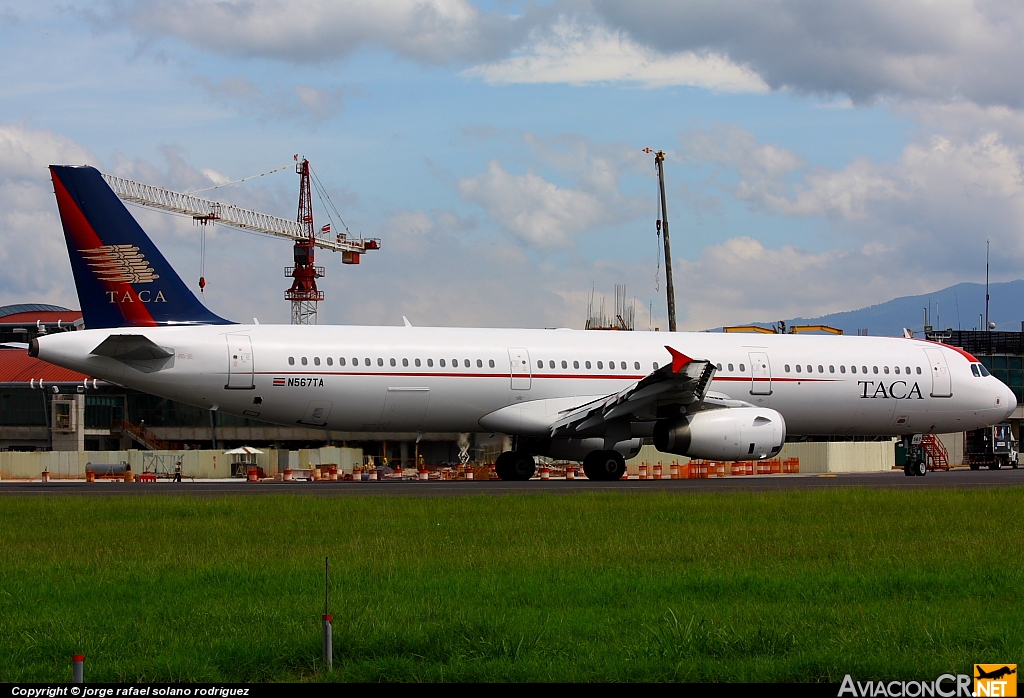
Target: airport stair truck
(992, 446)
(920, 453)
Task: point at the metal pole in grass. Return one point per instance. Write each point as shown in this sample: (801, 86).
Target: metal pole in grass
(328, 639)
(77, 668)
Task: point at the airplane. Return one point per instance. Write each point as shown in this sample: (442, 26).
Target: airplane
(994, 674)
(587, 396)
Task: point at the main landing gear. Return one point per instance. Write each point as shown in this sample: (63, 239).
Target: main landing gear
(515, 465)
(604, 465)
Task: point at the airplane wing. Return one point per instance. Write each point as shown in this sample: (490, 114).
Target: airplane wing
(682, 383)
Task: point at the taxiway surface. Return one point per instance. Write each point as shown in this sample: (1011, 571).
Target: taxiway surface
(957, 478)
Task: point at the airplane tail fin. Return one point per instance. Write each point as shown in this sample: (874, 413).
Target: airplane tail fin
(122, 278)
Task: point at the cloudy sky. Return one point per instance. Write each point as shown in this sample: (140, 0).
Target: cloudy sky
(821, 156)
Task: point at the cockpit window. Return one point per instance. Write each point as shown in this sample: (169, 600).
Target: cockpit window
(975, 371)
(984, 371)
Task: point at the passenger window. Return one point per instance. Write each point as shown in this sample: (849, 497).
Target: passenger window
(479, 363)
(730, 367)
(341, 361)
(551, 364)
(842, 369)
(291, 360)
(636, 365)
(540, 364)
(417, 363)
(831, 368)
(316, 360)
(304, 362)
(919, 370)
(885, 369)
(441, 363)
(611, 365)
(366, 361)
(656, 366)
(810, 369)
(380, 361)
(575, 364)
(622, 365)
(853, 369)
(587, 364)
(821, 369)
(330, 361)
(393, 362)
(908, 370)
(718, 366)
(874, 369)
(491, 363)
(405, 362)
(600, 364)
(565, 364)
(786, 367)
(863, 369)
(466, 363)
(455, 363)
(896, 370)
(430, 363)
(798, 368)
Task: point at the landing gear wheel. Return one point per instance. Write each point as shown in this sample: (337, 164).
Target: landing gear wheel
(515, 465)
(908, 469)
(604, 465)
(920, 468)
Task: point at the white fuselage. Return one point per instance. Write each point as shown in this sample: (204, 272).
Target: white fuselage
(434, 379)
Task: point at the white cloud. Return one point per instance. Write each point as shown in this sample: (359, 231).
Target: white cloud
(866, 49)
(32, 250)
(300, 102)
(578, 54)
(314, 31)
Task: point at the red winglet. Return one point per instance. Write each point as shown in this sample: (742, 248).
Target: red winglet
(679, 360)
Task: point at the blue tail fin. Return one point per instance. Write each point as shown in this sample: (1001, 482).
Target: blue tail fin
(121, 277)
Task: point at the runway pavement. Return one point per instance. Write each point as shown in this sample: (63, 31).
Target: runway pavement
(956, 478)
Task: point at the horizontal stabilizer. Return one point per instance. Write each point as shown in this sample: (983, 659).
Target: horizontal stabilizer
(131, 347)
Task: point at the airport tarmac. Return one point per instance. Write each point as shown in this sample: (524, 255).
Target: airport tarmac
(957, 478)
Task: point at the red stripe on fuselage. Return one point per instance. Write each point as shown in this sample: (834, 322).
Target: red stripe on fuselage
(84, 237)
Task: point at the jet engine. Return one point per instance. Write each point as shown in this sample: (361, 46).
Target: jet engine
(735, 433)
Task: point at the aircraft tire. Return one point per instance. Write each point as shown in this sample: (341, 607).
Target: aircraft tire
(604, 465)
(515, 466)
(921, 468)
(908, 469)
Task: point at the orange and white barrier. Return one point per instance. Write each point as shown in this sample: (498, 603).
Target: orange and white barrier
(657, 471)
(570, 472)
(424, 474)
(545, 472)
(673, 471)
(643, 471)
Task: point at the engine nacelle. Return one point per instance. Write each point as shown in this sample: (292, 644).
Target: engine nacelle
(735, 433)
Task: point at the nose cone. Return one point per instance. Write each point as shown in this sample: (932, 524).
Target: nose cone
(1010, 400)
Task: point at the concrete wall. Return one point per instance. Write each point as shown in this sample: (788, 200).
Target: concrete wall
(194, 464)
(815, 457)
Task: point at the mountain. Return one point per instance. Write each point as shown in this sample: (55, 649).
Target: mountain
(957, 307)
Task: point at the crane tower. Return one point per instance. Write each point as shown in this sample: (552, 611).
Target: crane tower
(303, 293)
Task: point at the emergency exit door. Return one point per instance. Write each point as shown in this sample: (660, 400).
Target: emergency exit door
(519, 367)
(240, 363)
(760, 373)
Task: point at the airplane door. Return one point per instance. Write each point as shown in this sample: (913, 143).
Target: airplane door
(519, 361)
(316, 413)
(404, 408)
(941, 384)
(240, 363)
(760, 374)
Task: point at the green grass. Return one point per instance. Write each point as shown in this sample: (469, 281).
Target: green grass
(786, 586)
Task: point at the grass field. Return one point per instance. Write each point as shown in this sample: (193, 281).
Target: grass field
(791, 586)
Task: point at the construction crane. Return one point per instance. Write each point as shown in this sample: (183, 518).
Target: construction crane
(303, 294)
